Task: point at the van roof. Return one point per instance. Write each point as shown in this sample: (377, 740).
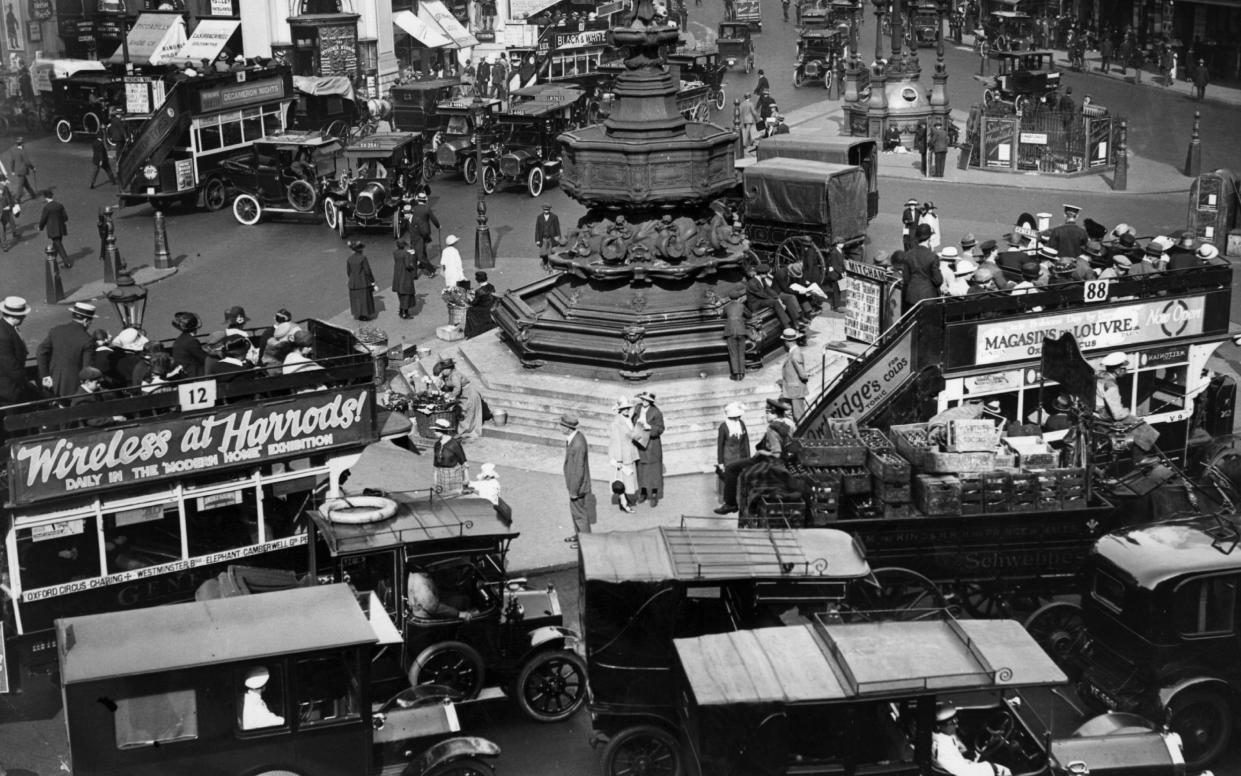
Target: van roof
(190, 635)
(1154, 554)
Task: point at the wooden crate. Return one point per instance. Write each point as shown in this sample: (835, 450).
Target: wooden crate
(911, 442)
(937, 494)
(775, 510)
(888, 465)
(832, 452)
(874, 439)
(862, 508)
(844, 428)
(972, 436)
(854, 480)
(892, 493)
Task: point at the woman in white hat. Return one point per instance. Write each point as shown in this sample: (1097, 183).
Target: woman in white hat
(488, 484)
(623, 454)
(449, 463)
(732, 442)
(450, 262)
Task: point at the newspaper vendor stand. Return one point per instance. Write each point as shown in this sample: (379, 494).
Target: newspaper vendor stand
(182, 686)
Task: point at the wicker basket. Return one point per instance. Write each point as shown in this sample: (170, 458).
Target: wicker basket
(456, 315)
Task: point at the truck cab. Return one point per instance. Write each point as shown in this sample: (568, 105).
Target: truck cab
(1161, 636)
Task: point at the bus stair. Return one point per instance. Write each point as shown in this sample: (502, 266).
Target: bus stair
(153, 141)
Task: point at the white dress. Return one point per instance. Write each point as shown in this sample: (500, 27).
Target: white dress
(450, 261)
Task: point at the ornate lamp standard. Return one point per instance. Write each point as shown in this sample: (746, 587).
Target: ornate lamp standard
(484, 254)
(129, 299)
(881, 8)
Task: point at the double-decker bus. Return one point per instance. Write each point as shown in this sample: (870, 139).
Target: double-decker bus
(135, 500)
(177, 154)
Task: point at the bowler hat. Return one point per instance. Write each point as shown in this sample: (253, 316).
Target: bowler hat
(923, 232)
(569, 420)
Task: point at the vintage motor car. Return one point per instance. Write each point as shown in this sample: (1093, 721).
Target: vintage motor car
(818, 51)
(514, 644)
(326, 104)
(1021, 78)
(736, 45)
(526, 150)
(274, 683)
(861, 698)
(81, 103)
(453, 146)
(1160, 628)
(924, 21)
(703, 65)
(414, 103)
(285, 173)
(375, 172)
(828, 14)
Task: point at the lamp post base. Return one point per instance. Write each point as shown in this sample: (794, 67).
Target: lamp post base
(484, 254)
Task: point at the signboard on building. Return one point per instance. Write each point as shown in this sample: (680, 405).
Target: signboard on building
(1094, 328)
(338, 49)
(41, 10)
(142, 453)
(582, 39)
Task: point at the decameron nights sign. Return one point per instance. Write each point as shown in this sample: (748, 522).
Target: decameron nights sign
(149, 452)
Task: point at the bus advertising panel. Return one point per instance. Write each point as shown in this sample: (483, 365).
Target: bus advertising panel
(101, 458)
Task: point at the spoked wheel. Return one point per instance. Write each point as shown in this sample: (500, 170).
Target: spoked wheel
(115, 134)
(1204, 720)
(898, 594)
(799, 78)
(490, 178)
(337, 129)
(721, 99)
(828, 75)
(215, 195)
(469, 766)
(90, 123)
(1056, 628)
(1021, 103)
(331, 213)
(64, 130)
(469, 170)
(429, 168)
(995, 601)
(988, 97)
(247, 210)
(452, 664)
(798, 248)
(534, 181)
(552, 686)
(642, 751)
(302, 196)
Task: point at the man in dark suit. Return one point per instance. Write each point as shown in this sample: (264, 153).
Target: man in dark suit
(763, 84)
(909, 217)
(20, 170)
(14, 387)
(56, 223)
(1069, 239)
(404, 273)
(759, 294)
(99, 158)
(835, 273)
(234, 363)
(546, 233)
(735, 333)
(577, 474)
(939, 149)
(421, 219)
(923, 278)
(66, 351)
(1184, 255)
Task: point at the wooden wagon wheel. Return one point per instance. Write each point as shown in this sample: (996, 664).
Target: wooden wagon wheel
(796, 248)
(995, 600)
(1056, 627)
(897, 594)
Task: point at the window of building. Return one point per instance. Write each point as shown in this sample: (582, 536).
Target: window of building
(155, 720)
(61, 552)
(328, 690)
(141, 536)
(1206, 606)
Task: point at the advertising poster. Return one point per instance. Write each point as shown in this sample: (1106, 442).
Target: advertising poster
(15, 44)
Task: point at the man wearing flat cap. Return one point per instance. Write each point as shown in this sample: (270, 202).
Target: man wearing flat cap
(770, 448)
(1069, 238)
(66, 351)
(922, 276)
(948, 752)
(577, 474)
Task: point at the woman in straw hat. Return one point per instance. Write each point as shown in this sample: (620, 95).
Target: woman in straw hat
(449, 464)
(623, 455)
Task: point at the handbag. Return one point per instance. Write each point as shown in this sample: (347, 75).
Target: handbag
(504, 512)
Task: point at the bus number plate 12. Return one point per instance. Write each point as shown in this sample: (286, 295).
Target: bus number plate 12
(197, 396)
(1095, 290)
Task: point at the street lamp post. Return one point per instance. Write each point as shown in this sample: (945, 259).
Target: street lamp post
(484, 254)
(881, 7)
(129, 299)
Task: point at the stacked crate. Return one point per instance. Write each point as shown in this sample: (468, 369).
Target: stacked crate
(937, 494)
(1048, 490)
(836, 466)
(1025, 492)
(890, 481)
(971, 494)
(1071, 487)
(775, 512)
(824, 494)
(997, 491)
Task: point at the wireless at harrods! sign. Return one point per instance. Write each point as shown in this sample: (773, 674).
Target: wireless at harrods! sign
(99, 458)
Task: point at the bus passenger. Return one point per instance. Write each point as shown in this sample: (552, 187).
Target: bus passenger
(254, 711)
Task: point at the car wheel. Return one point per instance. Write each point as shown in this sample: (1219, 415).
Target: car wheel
(644, 749)
(1204, 720)
(1021, 103)
(452, 664)
(215, 194)
(827, 79)
(988, 97)
(534, 181)
(721, 99)
(429, 168)
(1056, 627)
(490, 179)
(247, 210)
(64, 130)
(302, 196)
(90, 123)
(799, 78)
(469, 170)
(331, 213)
(552, 685)
(115, 134)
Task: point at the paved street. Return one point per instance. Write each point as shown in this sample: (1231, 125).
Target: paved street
(301, 266)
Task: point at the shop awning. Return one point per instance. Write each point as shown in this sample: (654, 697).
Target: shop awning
(153, 40)
(434, 12)
(428, 34)
(209, 39)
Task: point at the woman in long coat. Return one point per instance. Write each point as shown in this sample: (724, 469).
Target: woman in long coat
(648, 421)
(361, 283)
(404, 273)
(732, 443)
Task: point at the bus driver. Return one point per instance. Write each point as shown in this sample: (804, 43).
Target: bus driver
(948, 753)
(254, 711)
